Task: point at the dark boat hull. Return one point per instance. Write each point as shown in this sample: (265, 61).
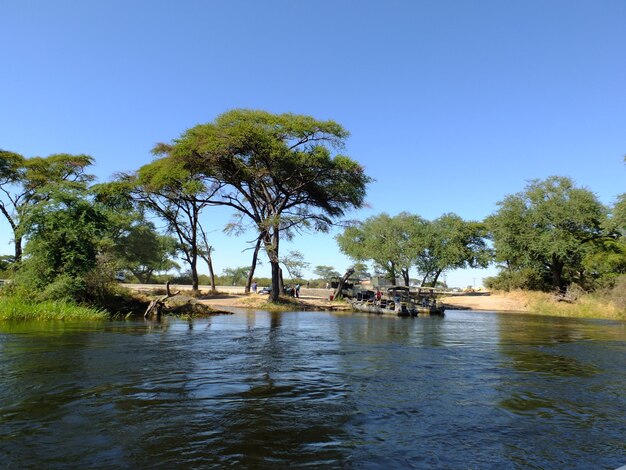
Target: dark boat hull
(411, 311)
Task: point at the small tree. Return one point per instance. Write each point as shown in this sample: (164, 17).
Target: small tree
(295, 264)
(65, 235)
(326, 272)
(234, 276)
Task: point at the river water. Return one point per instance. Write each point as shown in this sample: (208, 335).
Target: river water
(315, 390)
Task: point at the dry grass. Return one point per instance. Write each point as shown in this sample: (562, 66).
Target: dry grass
(586, 306)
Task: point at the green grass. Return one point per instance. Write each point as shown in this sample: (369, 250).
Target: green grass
(16, 308)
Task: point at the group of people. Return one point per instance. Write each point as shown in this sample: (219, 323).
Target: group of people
(295, 291)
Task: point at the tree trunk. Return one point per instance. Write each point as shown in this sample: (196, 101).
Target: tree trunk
(194, 271)
(255, 256)
(206, 256)
(209, 263)
(391, 273)
(405, 277)
(270, 240)
(18, 249)
(436, 278)
(156, 306)
(556, 268)
(338, 292)
(275, 281)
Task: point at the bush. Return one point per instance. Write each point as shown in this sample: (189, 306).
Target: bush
(617, 293)
(523, 279)
(20, 308)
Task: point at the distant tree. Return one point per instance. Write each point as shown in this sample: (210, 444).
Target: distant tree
(144, 251)
(295, 264)
(361, 271)
(25, 182)
(448, 243)
(234, 276)
(390, 242)
(6, 261)
(549, 227)
(326, 272)
(278, 171)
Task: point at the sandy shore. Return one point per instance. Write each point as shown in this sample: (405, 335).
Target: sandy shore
(493, 302)
(318, 299)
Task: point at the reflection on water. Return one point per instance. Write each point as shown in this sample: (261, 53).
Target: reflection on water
(260, 390)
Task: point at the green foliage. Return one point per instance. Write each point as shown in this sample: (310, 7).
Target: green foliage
(390, 242)
(524, 279)
(361, 271)
(26, 182)
(395, 244)
(449, 242)
(177, 196)
(235, 276)
(64, 234)
(6, 263)
(295, 264)
(326, 272)
(550, 228)
(143, 251)
(619, 215)
(277, 171)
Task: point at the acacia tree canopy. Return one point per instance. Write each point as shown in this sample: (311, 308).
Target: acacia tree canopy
(25, 182)
(278, 170)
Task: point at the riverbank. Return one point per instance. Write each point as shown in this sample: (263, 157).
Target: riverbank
(539, 303)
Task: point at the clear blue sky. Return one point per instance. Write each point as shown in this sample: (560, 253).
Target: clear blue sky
(451, 105)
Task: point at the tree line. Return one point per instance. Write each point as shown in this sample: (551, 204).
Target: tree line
(547, 237)
(281, 175)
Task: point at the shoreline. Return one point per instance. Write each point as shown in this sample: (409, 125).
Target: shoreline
(488, 302)
(536, 303)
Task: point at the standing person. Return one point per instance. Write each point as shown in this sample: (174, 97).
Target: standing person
(254, 287)
(327, 285)
(298, 290)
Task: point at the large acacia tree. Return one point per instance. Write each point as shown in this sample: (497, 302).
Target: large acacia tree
(280, 171)
(550, 227)
(25, 182)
